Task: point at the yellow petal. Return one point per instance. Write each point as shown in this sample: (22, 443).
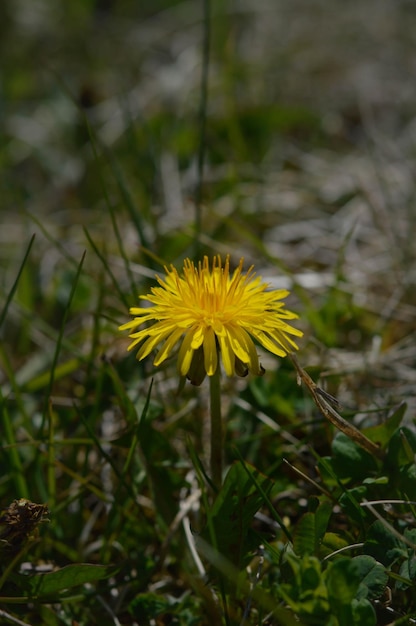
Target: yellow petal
(198, 338)
(247, 352)
(129, 325)
(185, 354)
(149, 345)
(267, 343)
(227, 354)
(210, 352)
(239, 342)
(167, 347)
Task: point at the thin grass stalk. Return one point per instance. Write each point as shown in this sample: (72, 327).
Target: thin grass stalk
(14, 286)
(55, 241)
(14, 386)
(272, 509)
(51, 457)
(126, 196)
(106, 265)
(15, 467)
(59, 343)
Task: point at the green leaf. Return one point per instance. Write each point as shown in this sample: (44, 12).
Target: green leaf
(147, 606)
(406, 480)
(402, 448)
(408, 571)
(40, 585)
(322, 516)
(408, 567)
(331, 542)
(383, 545)
(350, 460)
(373, 577)
(342, 580)
(304, 588)
(311, 528)
(410, 534)
(304, 535)
(363, 613)
(382, 433)
(232, 513)
(350, 502)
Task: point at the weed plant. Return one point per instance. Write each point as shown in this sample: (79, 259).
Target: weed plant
(134, 137)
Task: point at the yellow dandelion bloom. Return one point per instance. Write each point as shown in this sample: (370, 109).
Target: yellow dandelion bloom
(215, 313)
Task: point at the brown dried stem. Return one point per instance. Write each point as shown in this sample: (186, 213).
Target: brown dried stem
(322, 400)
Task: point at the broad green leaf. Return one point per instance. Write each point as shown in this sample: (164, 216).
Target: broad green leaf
(373, 577)
(408, 567)
(304, 588)
(41, 585)
(304, 535)
(402, 448)
(408, 571)
(322, 516)
(382, 433)
(383, 545)
(410, 534)
(311, 575)
(406, 479)
(327, 472)
(342, 580)
(147, 606)
(311, 528)
(363, 613)
(350, 502)
(350, 460)
(331, 542)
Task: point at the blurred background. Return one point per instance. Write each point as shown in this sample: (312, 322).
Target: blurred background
(310, 152)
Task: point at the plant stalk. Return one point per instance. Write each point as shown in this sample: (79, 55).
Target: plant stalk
(216, 428)
(323, 401)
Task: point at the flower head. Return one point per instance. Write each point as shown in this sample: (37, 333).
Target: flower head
(214, 313)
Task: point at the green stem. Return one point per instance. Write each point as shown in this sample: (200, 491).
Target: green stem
(14, 464)
(216, 428)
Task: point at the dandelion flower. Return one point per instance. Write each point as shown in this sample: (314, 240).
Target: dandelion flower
(215, 314)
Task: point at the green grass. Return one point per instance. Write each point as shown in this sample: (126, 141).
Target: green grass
(111, 166)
